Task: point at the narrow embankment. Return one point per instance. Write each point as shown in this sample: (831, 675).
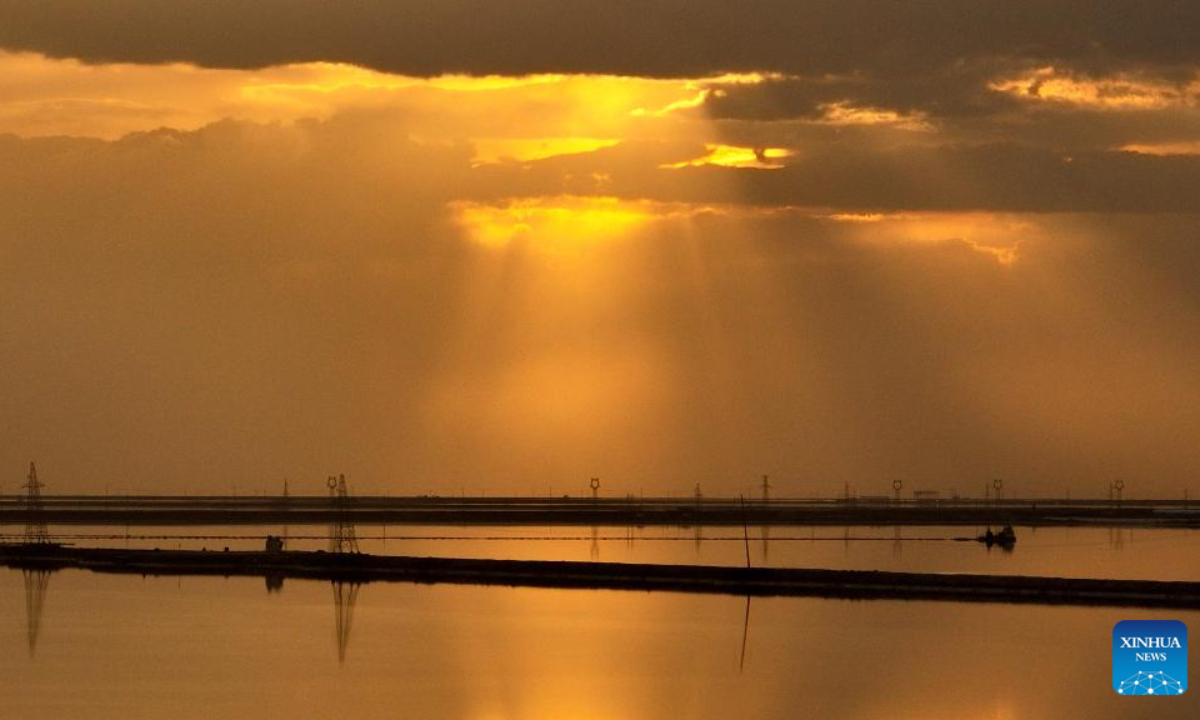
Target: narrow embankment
(854, 584)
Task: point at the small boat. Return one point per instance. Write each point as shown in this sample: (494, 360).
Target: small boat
(1006, 538)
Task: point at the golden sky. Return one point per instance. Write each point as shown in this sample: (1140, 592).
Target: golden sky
(474, 247)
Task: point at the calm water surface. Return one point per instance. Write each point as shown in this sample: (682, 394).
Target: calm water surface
(127, 647)
(80, 645)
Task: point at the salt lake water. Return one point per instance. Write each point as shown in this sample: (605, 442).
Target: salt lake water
(80, 645)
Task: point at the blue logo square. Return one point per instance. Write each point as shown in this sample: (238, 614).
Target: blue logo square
(1149, 657)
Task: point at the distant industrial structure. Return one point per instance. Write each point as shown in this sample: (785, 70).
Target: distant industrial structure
(341, 531)
(37, 538)
(1115, 490)
(35, 524)
(926, 496)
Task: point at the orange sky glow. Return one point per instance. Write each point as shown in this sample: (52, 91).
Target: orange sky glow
(229, 264)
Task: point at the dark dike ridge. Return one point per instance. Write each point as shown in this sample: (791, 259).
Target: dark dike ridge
(739, 581)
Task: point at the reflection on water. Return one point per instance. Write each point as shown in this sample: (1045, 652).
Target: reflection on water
(345, 596)
(36, 584)
(124, 647)
(274, 582)
(745, 636)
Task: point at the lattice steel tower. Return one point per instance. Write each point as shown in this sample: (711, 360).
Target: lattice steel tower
(35, 525)
(341, 531)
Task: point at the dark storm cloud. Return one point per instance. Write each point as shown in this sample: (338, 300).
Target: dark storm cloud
(1074, 129)
(661, 38)
(931, 64)
(958, 90)
(962, 106)
(1003, 177)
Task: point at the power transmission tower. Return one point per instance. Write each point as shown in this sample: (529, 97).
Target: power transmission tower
(35, 525)
(341, 531)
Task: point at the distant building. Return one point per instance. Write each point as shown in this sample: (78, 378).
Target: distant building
(926, 496)
(274, 544)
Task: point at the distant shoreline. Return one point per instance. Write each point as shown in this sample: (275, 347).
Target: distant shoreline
(149, 510)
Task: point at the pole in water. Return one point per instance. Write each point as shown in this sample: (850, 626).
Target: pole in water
(745, 529)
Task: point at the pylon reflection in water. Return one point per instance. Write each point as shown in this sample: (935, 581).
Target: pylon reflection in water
(36, 584)
(345, 594)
